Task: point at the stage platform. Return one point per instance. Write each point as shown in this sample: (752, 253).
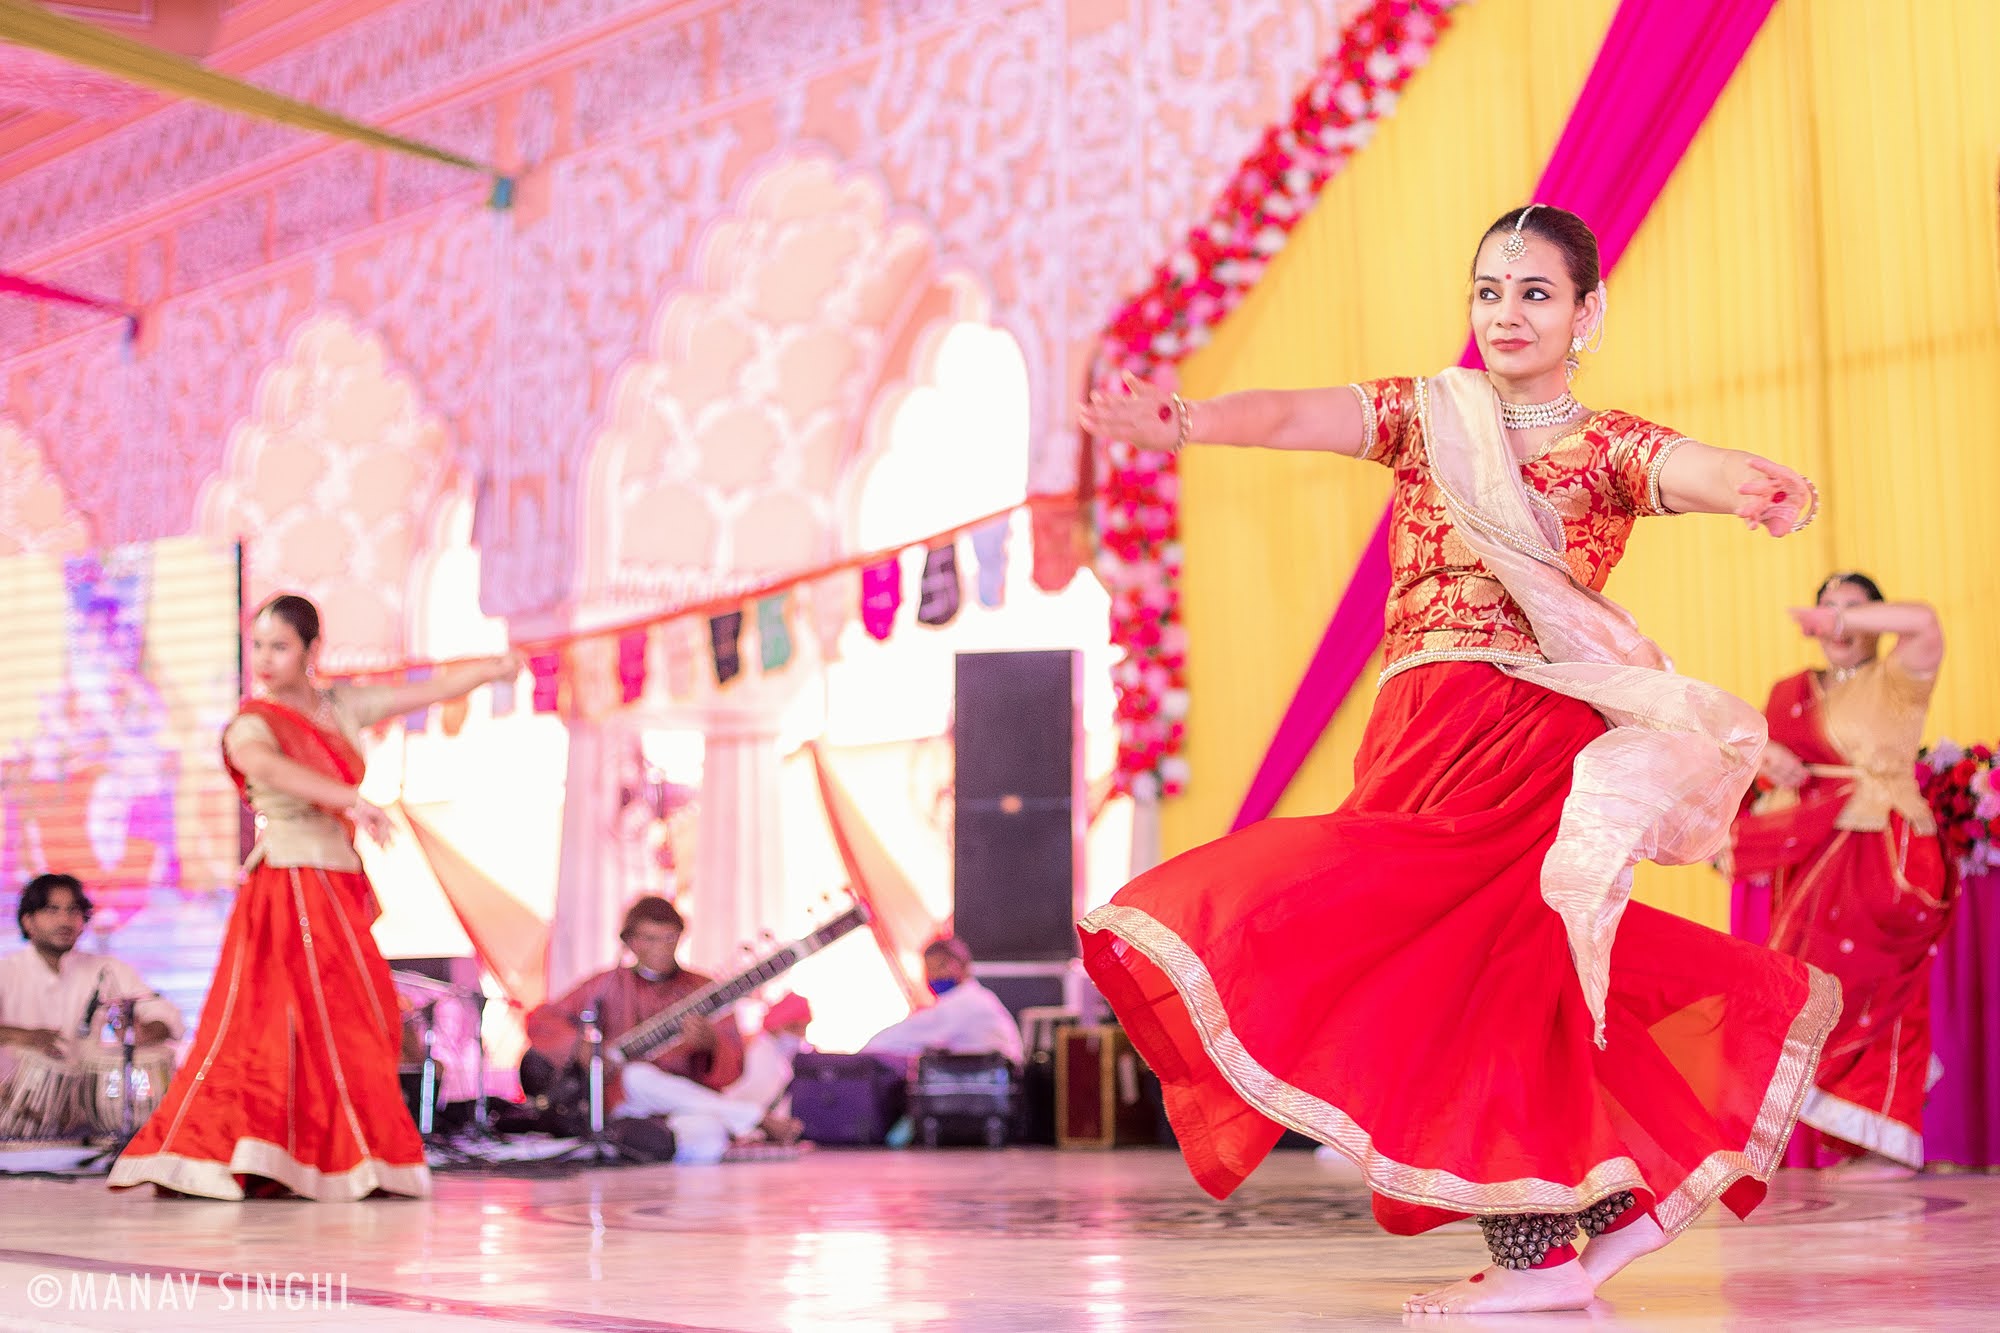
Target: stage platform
(950, 1240)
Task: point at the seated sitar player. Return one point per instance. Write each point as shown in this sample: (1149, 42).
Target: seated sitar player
(687, 1081)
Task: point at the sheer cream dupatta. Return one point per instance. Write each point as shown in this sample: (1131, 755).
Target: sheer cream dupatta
(1665, 781)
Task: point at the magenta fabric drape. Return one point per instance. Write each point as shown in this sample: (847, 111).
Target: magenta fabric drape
(1962, 1117)
(1655, 80)
(15, 284)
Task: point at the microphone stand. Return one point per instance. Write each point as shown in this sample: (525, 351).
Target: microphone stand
(595, 1147)
(482, 1125)
(451, 1149)
(124, 1020)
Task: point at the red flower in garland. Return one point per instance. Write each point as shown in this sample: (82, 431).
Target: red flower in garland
(1190, 293)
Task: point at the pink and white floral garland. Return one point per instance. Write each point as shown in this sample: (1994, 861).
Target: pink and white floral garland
(1138, 492)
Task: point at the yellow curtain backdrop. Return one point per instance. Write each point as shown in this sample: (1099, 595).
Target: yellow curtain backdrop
(1819, 281)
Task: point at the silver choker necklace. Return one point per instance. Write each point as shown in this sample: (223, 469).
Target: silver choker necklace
(1533, 416)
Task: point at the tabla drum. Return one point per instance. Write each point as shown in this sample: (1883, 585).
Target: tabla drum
(83, 1096)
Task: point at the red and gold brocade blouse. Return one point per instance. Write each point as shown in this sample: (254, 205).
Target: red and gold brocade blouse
(1443, 605)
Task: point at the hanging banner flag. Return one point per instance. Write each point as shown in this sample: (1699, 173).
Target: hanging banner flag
(989, 548)
(451, 716)
(937, 598)
(631, 666)
(503, 698)
(677, 640)
(829, 606)
(547, 670)
(414, 723)
(774, 636)
(656, 688)
(725, 638)
(881, 596)
(592, 669)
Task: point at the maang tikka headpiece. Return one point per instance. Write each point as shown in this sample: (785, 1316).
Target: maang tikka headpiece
(1516, 245)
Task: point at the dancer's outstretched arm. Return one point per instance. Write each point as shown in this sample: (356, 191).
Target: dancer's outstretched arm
(1143, 413)
(448, 684)
(1701, 479)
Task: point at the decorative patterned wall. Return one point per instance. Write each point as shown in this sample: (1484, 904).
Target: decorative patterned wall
(732, 209)
(330, 485)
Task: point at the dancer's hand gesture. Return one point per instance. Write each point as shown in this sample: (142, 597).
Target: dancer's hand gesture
(1135, 411)
(1776, 499)
(373, 820)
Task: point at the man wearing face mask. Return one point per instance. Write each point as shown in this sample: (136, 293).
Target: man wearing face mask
(967, 1019)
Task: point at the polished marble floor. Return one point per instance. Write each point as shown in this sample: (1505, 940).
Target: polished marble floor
(952, 1240)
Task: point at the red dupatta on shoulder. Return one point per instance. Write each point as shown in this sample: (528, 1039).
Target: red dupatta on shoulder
(303, 742)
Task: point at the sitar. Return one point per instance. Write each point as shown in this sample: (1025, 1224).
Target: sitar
(560, 1093)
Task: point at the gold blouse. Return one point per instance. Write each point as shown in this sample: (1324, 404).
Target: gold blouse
(291, 831)
(1875, 718)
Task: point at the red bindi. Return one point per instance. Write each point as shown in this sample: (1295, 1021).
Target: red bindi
(1166, 414)
(1507, 276)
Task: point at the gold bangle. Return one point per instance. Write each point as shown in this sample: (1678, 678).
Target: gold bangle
(1811, 513)
(1186, 417)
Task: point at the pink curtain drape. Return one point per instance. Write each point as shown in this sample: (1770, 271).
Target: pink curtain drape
(1962, 1117)
(1653, 84)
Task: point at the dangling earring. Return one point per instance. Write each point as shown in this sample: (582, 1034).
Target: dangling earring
(1575, 346)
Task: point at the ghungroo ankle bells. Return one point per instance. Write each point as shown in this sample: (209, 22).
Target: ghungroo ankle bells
(1522, 1240)
(1597, 1219)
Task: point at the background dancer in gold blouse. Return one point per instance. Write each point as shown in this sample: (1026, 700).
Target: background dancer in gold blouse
(1846, 849)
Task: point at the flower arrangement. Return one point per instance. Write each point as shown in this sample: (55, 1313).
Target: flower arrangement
(1223, 257)
(1965, 797)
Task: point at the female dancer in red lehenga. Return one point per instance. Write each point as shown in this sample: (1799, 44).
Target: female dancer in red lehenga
(1843, 853)
(1390, 979)
(291, 1083)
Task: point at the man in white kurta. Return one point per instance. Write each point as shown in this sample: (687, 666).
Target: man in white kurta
(706, 1121)
(967, 1019)
(53, 998)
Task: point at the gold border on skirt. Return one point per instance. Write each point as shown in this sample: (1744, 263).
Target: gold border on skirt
(1326, 1123)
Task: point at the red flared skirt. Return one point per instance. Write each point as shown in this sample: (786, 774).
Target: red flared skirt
(1386, 979)
(293, 1072)
(1868, 908)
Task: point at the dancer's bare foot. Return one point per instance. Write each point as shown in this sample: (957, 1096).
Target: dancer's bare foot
(783, 1130)
(1605, 1255)
(1509, 1291)
(1869, 1166)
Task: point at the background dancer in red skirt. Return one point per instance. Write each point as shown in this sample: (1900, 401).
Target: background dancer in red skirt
(1842, 867)
(291, 1084)
(1434, 978)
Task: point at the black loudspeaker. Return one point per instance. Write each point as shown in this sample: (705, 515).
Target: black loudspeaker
(1025, 992)
(1018, 828)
